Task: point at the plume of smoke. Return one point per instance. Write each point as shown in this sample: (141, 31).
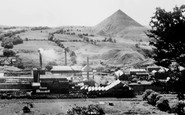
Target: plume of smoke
(73, 57)
(49, 55)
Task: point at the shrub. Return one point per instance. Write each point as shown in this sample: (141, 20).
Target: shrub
(26, 109)
(178, 107)
(147, 93)
(26, 39)
(8, 53)
(19, 64)
(17, 40)
(50, 65)
(163, 104)
(8, 45)
(2, 36)
(152, 98)
(90, 110)
(7, 42)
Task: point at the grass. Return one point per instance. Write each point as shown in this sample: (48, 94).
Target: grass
(67, 37)
(120, 107)
(28, 52)
(38, 39)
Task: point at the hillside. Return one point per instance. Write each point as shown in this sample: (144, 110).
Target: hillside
(129, 50)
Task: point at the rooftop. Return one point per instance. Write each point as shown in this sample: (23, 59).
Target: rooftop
(66, 68)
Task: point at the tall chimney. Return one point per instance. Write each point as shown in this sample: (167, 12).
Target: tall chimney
(40, 58)
(87, 68)
(65, 56)
(36, 76)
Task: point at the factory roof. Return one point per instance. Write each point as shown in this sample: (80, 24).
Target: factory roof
(86, 68)
(113, 84)
(66, 68)
(118, 73)
(153, 67)
(136, 70)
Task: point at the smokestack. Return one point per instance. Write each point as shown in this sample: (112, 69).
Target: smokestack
(36, 76)
(65, 56)
(40, 58)
(87, 68)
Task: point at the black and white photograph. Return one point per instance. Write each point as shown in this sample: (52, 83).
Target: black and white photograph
(92, 57)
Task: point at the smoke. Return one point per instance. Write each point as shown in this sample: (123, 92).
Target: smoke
(49, 55)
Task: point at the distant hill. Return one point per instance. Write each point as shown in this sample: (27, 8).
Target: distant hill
(119, 24)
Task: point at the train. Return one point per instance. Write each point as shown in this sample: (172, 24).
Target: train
(41, 85)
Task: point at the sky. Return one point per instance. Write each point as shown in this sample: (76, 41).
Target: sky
(55, 13)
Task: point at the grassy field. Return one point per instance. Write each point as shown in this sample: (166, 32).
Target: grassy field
(60, 106)
(37, 34)
(67, 37)
(28, 52)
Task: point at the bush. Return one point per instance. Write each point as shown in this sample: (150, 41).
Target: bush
(50, 65)
(152, 98)
(147, 93)
(26, 39)
(19, 64)
(8, 53)
(178, 108)
(8, 45)
(7, 42)
(163, 104)
(90, 110)
(2, 36)
(26, 109)
(17, 40)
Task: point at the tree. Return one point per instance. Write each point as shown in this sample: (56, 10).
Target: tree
(167, 33)
(7, 43)
(8, 53)
(17, 40)
(51, 36)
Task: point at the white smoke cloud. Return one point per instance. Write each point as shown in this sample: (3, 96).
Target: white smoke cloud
(49, 55)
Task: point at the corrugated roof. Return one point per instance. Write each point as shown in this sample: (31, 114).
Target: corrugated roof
(135, 70)
(113, 84)
(86, 68)
(66, 68)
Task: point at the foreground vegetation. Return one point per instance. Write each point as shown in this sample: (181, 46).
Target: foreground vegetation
(162, 102)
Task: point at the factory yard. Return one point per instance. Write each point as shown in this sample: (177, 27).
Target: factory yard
(111, 106)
